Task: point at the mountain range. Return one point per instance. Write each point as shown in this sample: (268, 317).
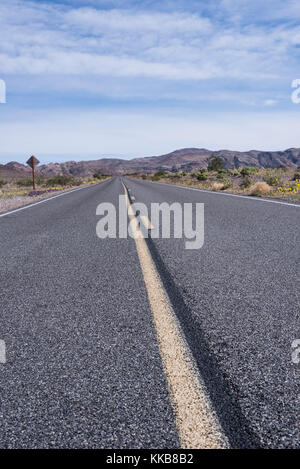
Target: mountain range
(187, 159)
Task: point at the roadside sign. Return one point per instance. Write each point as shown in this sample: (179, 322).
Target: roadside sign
(33, 162)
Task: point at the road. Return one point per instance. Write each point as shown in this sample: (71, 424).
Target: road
(85, 366)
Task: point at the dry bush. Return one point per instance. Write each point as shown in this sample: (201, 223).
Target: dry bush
(260, 188)
(217, 186)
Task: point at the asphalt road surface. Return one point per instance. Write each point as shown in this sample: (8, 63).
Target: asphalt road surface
(84, 367)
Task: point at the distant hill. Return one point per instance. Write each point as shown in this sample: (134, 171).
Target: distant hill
(187, 159)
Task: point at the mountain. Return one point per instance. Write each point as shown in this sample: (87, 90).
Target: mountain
(187, 159)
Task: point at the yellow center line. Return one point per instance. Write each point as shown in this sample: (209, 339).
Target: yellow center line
(196, 420)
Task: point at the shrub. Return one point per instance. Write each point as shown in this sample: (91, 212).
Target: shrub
(296, 177)
(40, 180)
(272, 180)
(195, 174)
(24, 182)
(260, 188)
(248, 170)
(60, 181)
(97, 176)
(226, 183)
(160, 173)
(2, 183)
(144, 176)
(201, 177)
(217, 186)
(76, 182)
(234, 172)
(221, 174)
(246, 182)
(215, 163)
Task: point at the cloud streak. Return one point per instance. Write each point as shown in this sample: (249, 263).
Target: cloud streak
(40, 38)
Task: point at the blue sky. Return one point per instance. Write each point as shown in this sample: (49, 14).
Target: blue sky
(132, 78)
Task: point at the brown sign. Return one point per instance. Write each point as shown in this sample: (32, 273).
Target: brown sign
(32, 162)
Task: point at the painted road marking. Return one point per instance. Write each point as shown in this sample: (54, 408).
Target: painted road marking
(2, 352)
(49, 198)
(196, 421)
(257, 199)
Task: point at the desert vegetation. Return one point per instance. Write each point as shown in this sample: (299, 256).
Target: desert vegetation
(17, 192)
(282, 183)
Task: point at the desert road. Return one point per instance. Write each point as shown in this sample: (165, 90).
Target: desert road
(86, 359)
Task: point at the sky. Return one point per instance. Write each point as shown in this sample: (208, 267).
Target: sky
(93, 78)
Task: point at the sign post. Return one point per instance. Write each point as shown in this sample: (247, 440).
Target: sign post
(33, 162)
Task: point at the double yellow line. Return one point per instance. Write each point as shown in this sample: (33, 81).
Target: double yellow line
(196, 421)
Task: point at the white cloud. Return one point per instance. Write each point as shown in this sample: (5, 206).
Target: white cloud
(97, 21)
(103, 65)
(42, 38)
